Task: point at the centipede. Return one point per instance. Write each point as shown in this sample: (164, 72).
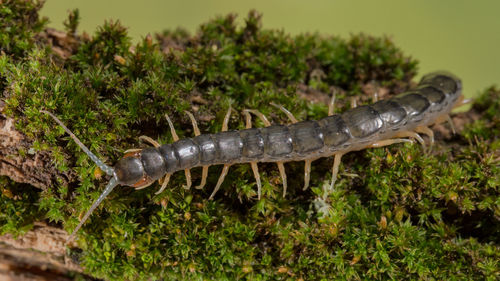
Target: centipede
(401, 118)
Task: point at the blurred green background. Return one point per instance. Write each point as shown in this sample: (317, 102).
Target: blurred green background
(460, 36)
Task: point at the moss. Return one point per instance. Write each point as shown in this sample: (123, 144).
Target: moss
(18, 207)
(19, 26)
(394, 213)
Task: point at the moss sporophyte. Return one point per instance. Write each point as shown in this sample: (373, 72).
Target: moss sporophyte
(396, 212)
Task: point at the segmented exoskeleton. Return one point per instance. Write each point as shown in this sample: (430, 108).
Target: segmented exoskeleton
(383, 123)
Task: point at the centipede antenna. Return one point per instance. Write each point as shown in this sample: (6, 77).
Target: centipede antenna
(112, 183)
(107, 169)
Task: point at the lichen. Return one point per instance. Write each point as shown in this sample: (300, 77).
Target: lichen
(395, 212)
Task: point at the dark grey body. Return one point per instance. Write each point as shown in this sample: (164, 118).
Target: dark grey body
(352, 130)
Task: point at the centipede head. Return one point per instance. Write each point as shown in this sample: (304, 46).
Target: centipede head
(130, 171)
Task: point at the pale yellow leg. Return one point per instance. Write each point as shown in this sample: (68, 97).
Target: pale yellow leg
(425, 130)
(132, 150)
(452, 125)
(281, 168)
(172, 129)
(225, 124)
(220, 181)
(144, 186)
(375, 96)
(261, 116)
(195, 124)
(226, 120)
(410, 134)
(331, 104)
(255, 170)
(462, 101)
(248, 119)
(307, 173)
(204, 175)
(446, 118)
(335, 171)
(287, 113)
(150, 140)
(187, 172)
(338, 157)
(354, 102)
(164, 184)
(388, 142)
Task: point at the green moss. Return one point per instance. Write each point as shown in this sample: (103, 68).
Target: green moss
(18, 205)
(19, 26)
(394, 213)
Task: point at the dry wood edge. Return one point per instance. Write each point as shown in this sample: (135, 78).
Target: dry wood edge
(33, 168)
(40, 254)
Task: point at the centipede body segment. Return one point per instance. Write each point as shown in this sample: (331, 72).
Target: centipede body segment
(383, 123)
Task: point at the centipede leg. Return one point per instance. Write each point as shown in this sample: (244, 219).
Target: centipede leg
(255, 170)
(445, 118)
(205, 168)
(307, 173)
(261, 116)
(410, 134)
(132, 150)
(375, 95)
(335, 170)
(225, 125)
(175, 137)
(425, 130)
(354, 102)
(331, 104)
(461, 101)
(452, 125)
(143, 186)
(281, 167)
(166, 179)
(388, 142)
(187, 172)
(338, 157)
(286, 111)
(204, 175)
(220, 181)
(150, 140)
(194, 123)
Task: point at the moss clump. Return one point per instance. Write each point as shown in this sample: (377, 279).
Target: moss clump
(18, 205)
(19, 26)
(403, 213)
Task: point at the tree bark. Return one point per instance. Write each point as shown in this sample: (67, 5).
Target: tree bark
(38, 255)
